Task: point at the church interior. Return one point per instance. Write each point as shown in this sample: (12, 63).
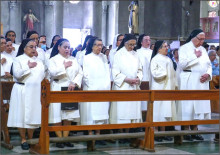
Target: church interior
(169, 20)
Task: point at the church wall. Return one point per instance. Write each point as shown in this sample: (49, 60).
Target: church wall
(5, 16)
(73, 15)
(164, 20)
(123, 15)
(194, 18)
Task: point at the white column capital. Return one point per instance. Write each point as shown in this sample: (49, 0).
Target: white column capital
(48, 3)
(13, 4)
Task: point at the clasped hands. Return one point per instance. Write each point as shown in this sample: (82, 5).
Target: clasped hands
(131, 81)
(71, 86)
(204, 78)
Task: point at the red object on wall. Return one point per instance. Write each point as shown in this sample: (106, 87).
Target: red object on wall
(210, 25)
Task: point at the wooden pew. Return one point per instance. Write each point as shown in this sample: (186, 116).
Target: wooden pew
(214, 85)
(6, 88)
(48, 97)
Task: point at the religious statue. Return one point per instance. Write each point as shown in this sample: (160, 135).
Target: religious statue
(29, 20)
(207, 26)
(133, 18)
(215, 27)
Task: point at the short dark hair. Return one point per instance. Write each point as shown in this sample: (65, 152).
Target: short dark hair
(7, 40)
(10, 32)
(174, 51)
(217, 48)
(42, 36)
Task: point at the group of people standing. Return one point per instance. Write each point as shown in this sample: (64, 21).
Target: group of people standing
(131, 61)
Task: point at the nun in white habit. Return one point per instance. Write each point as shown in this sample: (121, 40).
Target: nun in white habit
(144, 53)
(162, 77)
(196, 72)
(65, 72)
(8, 56)
(25, 104)
(117, 41)
(40, 52)
(96, 76)
(127, 75)
(80, 54)
(12, 35)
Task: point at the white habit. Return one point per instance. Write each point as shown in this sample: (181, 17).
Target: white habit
(96, 76)
(15, 52)
(7, 65)
(64, 77)
(163, 78)
(144, 55)
(200, 109)
(41, 55)
(126, 64)
(80, 56)
(25, 103)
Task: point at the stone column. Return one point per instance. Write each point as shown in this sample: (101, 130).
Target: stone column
(141, 16)
(49, 26)
(104, 22)
(87, 15)
(97, 19)
(58, 17)
(112, 21)
(15, 19)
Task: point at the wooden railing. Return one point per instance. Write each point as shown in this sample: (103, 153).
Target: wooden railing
(6, 88)
(48, 97)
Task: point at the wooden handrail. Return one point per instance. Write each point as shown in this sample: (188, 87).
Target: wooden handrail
(130, 95)
(48, 96)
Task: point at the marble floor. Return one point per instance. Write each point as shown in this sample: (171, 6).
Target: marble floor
(208, 146)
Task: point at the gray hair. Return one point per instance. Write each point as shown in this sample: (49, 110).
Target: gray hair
(210, 52)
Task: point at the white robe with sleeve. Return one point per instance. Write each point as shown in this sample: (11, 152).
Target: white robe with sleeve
(41, 55)
(126, 64)
(163, 78)
(47, 58)
(7, 65)
(111, 56)
(111, 59)
(96, 76)
(2, 71)
(144, 55)
(15, 52)
(80, 56)
(25, 101)
(200, 109)
(72, 74)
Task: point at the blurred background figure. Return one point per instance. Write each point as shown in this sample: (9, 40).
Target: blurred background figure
(78, 48)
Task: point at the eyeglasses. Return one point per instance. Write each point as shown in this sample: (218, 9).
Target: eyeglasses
(131, 45)
(11, 35)
(120, 40)
(99, 45)
(200, 39)
(32, 47)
